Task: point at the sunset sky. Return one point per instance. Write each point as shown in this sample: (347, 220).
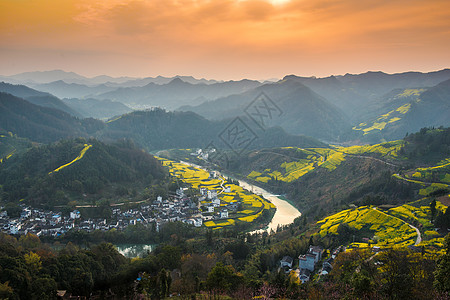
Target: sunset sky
(224, 39)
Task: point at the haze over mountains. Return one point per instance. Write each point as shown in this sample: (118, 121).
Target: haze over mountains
(369, 107)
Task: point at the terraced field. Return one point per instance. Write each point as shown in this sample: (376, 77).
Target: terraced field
(390, 228)
(384, 230)
(252, 205)
(440, 172)
(392, 116)
(328, 158)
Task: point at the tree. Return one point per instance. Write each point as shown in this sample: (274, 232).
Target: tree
(222, 278)
(13, 209)
(433, 209)
(44, 288)
(30, 241)
(170, 257)
(442, 278)
(443, 219)
(6, 291)
(33, 261)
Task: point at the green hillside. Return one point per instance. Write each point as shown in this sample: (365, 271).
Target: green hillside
(323, 180)
(77, 170)
(405, 111)
(41, 124)
(158, 129)
(12, 145)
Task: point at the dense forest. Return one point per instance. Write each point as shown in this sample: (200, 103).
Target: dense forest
(212, 266)
(39, 175)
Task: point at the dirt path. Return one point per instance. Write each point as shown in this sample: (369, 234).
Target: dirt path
(114, 204)
(419, 235)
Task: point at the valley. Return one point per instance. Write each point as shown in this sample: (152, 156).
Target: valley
(329, 167)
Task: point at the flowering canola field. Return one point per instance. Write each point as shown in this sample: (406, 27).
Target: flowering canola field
(80, 156)
(328, 158)
(390, 228)
(386, 230)
(252, 205)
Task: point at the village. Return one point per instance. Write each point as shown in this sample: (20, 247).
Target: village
(178, 207)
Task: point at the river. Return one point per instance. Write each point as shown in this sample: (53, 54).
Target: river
(285, 213)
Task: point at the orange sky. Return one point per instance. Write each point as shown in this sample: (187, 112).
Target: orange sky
(224, 39)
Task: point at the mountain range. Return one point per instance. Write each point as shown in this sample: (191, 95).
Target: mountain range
(152, 129)
(350, 108)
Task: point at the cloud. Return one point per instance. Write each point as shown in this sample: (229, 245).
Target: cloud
(232, 35)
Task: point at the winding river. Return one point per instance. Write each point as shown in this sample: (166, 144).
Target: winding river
(285, 213)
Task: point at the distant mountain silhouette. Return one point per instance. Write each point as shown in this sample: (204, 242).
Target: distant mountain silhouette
(408, 111)
(303, 111)
(176, 93)
(352, 93)
(99, 109)
(62, 89)
(37, 97)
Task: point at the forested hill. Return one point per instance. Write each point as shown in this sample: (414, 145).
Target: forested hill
(41, 124)
(37, 97)
(157, 129)
(151, 129)
(58, 173)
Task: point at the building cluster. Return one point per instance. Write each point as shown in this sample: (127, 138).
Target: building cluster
(42, 222)
(309, 262)
(213, 207)
(39, 221)
(178, 207)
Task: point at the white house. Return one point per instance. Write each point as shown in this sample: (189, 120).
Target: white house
(75, 214)
(56, 218)
(180, 192)
(224, 214)
(211, 209)
(216, 201)
(14, 229)
(228, 189)
(212, 194)
(304, 275)
(287, 262)
(198, 222)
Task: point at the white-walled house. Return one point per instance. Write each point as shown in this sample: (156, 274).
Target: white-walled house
(75, 214)
(212, 194)
(198, 222)
(224, 214)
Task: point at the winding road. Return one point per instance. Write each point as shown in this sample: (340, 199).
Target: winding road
(419, 235)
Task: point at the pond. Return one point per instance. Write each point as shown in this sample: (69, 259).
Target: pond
(135, 250)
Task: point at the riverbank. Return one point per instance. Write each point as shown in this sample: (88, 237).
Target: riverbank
(285, 213)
